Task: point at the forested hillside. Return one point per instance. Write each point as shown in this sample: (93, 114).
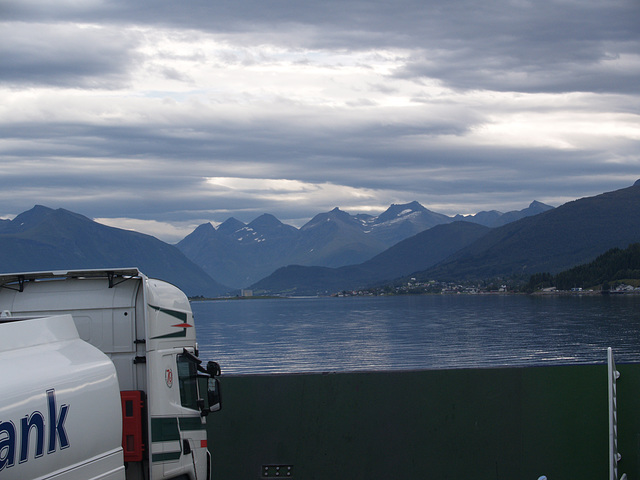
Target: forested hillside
(614, 265)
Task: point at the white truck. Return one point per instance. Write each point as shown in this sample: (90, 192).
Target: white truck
(101, 378)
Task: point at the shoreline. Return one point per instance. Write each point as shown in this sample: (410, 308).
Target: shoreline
(557, 293)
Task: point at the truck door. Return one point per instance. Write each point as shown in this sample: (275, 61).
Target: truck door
(192, 425)
(178, 431)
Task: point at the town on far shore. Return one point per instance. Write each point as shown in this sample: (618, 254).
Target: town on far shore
(415, 287)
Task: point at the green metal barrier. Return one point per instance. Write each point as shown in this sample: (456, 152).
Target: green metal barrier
(503, 423)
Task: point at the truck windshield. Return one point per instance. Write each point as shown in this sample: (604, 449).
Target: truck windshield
(188, 380)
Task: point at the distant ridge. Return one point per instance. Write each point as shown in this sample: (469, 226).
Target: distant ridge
(494, 218)
(47, 239)
(574, 233)
(240, 255)
(412, 254)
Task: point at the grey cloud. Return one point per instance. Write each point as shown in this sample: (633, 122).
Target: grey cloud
(545, 46)
(65, 55)
(378, 23)
(550, 46)
(278, 139)
(521, 71)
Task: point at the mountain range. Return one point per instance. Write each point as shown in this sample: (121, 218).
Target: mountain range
(551, 241)
(334, 250)
(239, 254)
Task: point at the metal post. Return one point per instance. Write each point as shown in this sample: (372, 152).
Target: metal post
(614, 455)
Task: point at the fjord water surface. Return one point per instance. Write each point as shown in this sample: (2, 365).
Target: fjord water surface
(415, 332)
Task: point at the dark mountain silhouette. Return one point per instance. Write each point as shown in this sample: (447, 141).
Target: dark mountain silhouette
(495, 218)
(551, 241)
(333, 239)
(572, 234)
(418, 252)
(46, 239)
(239, 255)
(403, 221)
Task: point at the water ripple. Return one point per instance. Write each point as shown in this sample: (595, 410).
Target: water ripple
(415, 332)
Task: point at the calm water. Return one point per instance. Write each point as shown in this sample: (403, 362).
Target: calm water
(415, 332)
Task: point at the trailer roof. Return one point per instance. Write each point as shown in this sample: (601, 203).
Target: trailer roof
(10, 278)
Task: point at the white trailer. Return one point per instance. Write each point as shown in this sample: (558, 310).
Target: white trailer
(145, 328)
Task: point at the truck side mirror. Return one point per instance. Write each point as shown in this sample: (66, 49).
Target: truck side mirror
(213, 394)
(213, 368)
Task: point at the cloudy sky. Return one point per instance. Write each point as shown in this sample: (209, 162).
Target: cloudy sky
(159, 116)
